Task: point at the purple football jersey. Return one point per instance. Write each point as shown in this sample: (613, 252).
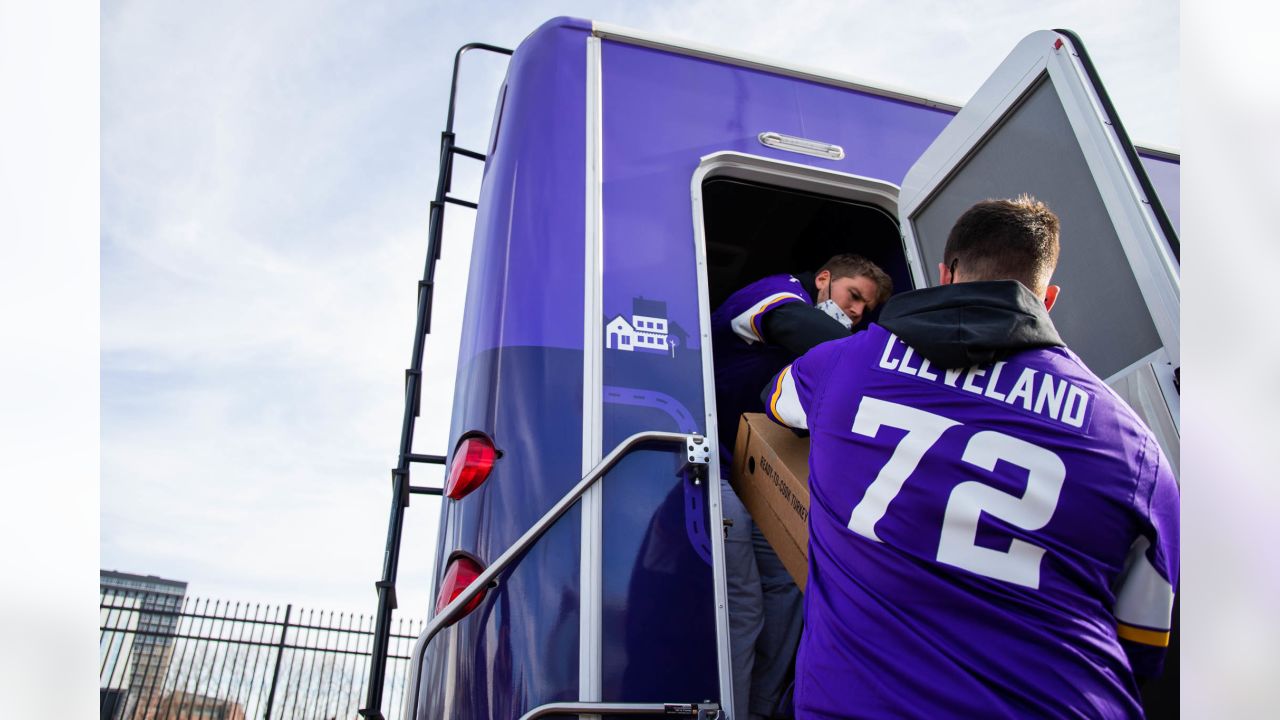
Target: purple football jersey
(980, 539)
(743, 361)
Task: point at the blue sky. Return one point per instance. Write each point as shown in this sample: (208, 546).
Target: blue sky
(266, 170)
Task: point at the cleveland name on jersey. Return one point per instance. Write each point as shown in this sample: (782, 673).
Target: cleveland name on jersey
(985, 542)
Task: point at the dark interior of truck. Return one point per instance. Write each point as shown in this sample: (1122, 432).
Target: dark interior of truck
(755, 230)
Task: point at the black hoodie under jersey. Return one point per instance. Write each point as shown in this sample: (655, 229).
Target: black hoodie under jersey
(970, 323)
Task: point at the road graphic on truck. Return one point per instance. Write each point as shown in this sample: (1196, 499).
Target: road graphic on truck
(694, 514)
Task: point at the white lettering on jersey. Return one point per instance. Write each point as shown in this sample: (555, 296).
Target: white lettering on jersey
(1077, 402)
(885, 362)
(906, 358)
(924, 370)
(974, 372)
(1050, 397)
(991, 391)
(1038, 392)
(968, 501)
(1022, 388)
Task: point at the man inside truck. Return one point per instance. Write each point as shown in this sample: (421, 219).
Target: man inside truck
(755, 332)
(993, 532)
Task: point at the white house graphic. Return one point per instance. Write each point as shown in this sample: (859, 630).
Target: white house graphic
(647, 331)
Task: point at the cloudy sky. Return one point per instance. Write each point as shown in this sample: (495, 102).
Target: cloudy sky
(265, 178)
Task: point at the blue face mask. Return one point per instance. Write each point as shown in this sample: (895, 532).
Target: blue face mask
(831, 308)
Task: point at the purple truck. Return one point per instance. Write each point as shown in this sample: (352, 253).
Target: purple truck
(631, 183)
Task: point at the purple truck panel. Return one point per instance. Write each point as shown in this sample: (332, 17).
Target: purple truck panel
(525, 286)
(663, 112)
(520, 380)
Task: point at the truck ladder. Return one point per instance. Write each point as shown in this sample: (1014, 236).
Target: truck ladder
(401, 489)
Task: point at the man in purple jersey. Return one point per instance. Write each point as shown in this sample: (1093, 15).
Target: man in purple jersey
(993, 533)
(755, 332)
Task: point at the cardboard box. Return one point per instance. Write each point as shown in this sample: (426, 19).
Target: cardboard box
(771, 477)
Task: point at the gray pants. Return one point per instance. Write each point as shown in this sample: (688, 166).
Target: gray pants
(765, 613)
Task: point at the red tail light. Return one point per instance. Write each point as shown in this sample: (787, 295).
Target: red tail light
(462, 571)
(472, 462)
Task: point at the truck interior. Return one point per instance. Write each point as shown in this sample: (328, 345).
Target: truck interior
(754, 230)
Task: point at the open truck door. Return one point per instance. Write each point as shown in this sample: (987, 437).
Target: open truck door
(1041, 124)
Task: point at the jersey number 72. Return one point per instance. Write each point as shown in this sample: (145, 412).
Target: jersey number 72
(968, 500)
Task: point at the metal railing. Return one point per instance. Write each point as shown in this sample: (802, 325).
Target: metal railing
(700, 711)
(222, 660)
(696, 449)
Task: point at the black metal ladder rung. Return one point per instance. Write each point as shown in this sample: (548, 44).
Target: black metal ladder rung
(463, 203)
(423, 489)
(469, 153)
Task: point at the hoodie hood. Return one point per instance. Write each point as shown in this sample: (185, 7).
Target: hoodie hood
(970, 323)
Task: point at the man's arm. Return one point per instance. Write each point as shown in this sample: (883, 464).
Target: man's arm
(782, 401)
(798, 327)
(1145, 591)
(755, 304)
(797, 389)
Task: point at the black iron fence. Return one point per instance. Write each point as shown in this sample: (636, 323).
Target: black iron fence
(217, 660)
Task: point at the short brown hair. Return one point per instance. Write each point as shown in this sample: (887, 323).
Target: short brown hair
(1013, 239)
(850, 265)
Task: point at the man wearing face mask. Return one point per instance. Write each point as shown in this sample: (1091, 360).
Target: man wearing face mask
(755, 333)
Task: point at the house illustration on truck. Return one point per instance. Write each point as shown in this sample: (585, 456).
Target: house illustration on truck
(647, 331)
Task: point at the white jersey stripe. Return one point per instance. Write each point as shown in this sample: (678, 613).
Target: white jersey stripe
(1143, 597)
(785, 403)
(745, 325)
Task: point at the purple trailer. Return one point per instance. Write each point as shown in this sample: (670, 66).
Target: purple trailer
(631, 183)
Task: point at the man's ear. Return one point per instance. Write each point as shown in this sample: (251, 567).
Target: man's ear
(821, 281)
(1051, 296)
(944, 275)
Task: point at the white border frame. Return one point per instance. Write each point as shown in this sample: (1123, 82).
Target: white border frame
(777, 173)
(1050, 53)
(591, 570)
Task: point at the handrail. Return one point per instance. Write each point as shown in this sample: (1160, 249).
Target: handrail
(486, 579)
(457, 62)
(702, 711)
